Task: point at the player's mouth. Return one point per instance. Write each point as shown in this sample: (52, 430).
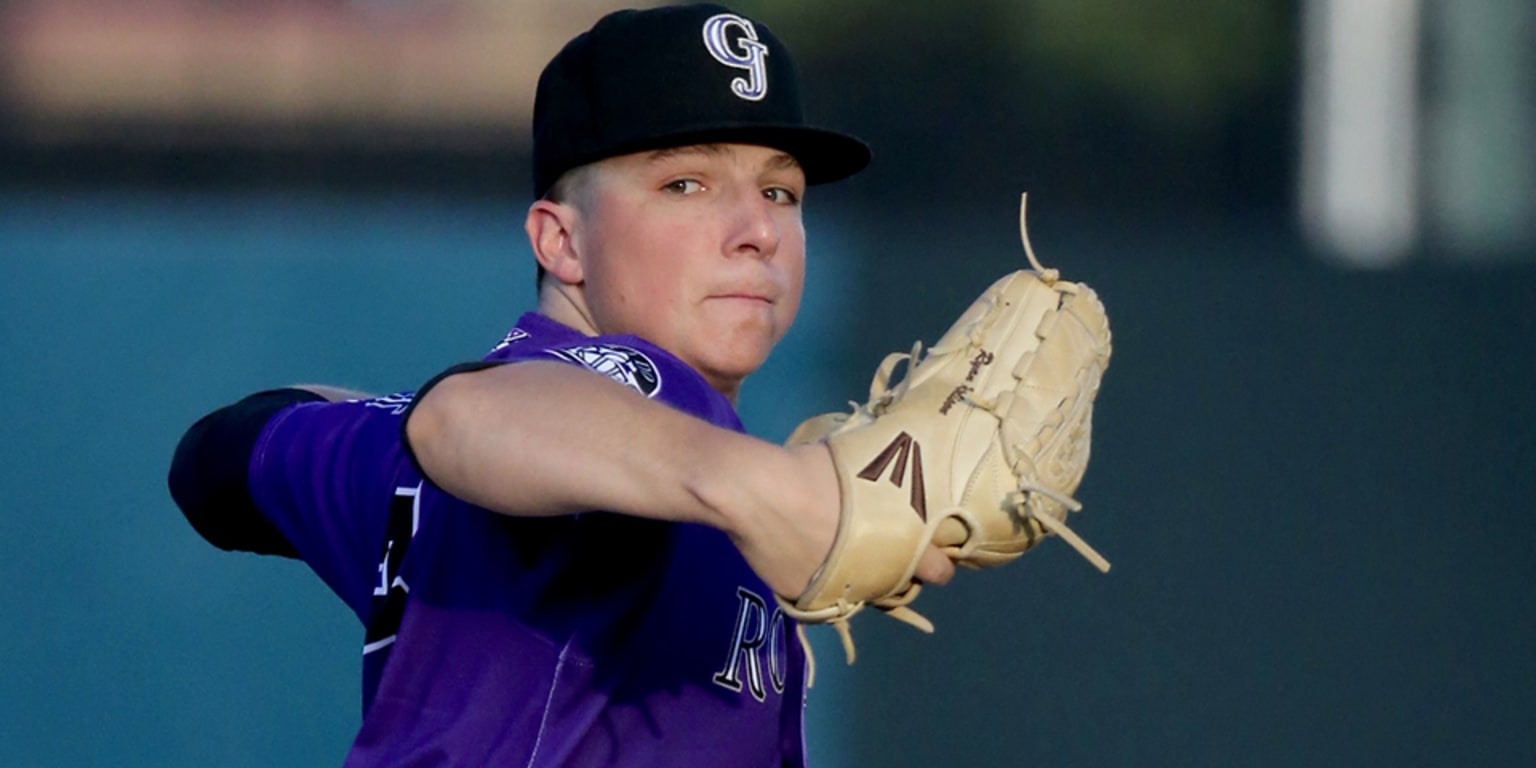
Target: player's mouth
(764, 297)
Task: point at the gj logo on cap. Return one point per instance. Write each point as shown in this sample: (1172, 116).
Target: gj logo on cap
(747, 54)
(638, 81)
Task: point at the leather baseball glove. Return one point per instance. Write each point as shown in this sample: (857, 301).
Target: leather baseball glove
(977, 449)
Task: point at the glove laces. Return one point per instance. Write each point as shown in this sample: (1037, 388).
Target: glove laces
(1049, 276)
(881, 395)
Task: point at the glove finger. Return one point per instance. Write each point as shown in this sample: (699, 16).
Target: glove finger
(951, 533)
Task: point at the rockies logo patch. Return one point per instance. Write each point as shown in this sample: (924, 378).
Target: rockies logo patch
(626, 365)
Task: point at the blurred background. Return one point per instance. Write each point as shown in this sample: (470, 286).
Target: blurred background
(1311, 220)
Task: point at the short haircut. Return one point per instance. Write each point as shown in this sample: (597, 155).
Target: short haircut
(573, 188)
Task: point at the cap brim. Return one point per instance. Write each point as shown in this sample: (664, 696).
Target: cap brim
(825, 156)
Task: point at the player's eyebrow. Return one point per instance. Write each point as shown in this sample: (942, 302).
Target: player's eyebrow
(783, 161)
(712, 150)
(779, 161)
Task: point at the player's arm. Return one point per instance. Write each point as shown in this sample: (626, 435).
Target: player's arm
(545, 438)
(209, 472)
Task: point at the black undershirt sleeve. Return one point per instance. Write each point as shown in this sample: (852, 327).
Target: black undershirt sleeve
(209, 477)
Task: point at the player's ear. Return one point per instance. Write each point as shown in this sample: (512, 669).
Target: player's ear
(551, 227)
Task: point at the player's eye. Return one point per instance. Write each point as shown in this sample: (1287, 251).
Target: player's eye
(781, 195)
(683, 186)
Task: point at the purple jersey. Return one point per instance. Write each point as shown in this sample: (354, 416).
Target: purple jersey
(593, 639)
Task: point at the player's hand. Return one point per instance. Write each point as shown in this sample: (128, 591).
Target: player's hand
(935, 567)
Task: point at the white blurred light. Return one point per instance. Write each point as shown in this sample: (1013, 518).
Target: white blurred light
(1360, 114)
(1480, 120)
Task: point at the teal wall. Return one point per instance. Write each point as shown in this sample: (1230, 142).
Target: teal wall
(125, 316)
(1315, 486)
(1317, 489)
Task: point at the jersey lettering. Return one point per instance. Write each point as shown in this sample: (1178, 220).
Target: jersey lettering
(395, 404)
(755, 627)
(389, 593)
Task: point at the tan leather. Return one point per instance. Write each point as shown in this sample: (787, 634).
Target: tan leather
(978, 449)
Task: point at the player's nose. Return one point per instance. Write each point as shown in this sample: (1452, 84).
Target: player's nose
(754, 227)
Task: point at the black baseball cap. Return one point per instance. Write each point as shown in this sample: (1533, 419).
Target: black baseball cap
(694, 74)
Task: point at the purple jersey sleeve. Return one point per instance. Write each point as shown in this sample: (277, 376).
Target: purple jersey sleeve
(325, 474)
(590, 639)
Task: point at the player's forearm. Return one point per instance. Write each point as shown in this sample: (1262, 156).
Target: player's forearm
(548, 439)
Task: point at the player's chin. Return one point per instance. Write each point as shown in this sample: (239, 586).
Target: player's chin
(740, 358)
(748, 325)
(738, 354)
(747, 310)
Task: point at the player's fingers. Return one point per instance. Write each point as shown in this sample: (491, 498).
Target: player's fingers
(935, 567)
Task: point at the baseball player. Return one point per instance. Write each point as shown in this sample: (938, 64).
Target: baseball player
(567, 553)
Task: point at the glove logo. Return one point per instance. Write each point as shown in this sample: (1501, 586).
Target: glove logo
(954, 398)
(901, 447)
(982, 358)
(747, 53)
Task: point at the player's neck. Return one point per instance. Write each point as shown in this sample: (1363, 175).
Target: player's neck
(557, 303)
(564, 305)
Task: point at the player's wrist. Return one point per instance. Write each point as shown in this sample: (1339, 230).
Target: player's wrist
(779, 505)
(725, 473)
